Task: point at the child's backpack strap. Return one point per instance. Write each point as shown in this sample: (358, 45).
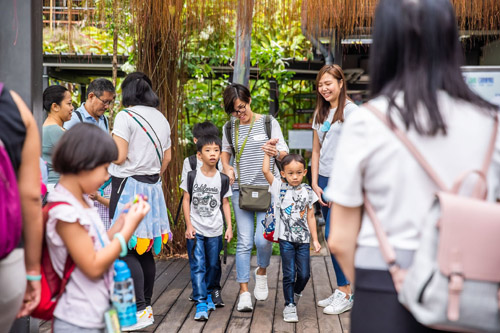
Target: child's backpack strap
(224, 179)
(190, 182)
(193, 161)
(228, 130)
(224, 187)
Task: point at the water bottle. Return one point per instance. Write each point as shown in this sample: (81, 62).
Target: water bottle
(123, 295)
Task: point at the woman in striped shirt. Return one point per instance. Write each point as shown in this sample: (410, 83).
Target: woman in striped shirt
(253, 137)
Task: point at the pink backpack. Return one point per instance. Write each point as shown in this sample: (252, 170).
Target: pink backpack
(453, 282)
(10, 203)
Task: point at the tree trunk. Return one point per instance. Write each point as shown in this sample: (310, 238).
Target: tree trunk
(243, 42)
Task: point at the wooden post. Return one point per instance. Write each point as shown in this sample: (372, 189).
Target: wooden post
(69, 26)
(116, 23)
(243, 42)
(51, 15)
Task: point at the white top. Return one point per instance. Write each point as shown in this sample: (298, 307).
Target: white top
(370, 156)
(253, 156)
(142, 158)
(205, 210)
(329, 141)
(186, 167)
(84, 301)
(296, 202)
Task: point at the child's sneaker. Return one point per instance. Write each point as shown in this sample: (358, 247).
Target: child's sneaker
(217, 298)
(143, 320)
(339, 304)
(210, 303)
(149, 309)
(296, 298)
(201, 312)
(290, 314)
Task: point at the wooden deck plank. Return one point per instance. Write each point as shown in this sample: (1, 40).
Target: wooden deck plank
(263, 315)
(306, 310)
(164, 303)
(191, 325)
(241, 321)
(279, 325)
(167, 277)
(323, 289)
(161, 266)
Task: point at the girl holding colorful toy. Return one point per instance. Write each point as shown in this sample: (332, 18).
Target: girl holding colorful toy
(75, 230)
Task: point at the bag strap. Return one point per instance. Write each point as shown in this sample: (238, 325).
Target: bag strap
(224, 188)
(79, 115)
(147, 133)
(239, 151)
(228, 129)
(190, 182)
(193, 161)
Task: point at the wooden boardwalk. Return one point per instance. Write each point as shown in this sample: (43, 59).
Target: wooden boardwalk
(173, 311)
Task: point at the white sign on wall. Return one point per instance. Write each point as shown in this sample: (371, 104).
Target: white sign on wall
(300, 139)
(484, 81)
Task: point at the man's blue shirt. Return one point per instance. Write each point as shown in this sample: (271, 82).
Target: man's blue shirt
(87, 118)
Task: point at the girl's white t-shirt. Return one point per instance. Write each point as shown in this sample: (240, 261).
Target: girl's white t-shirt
(370, 157)
(142, 158)
(329, 141)
(84, 301)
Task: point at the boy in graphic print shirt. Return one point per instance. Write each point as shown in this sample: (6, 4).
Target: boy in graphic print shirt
(203, 215)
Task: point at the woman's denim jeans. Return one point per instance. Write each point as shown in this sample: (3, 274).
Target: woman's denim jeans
(204, 262)
(296, 268)
(341, 279)
(245, 221)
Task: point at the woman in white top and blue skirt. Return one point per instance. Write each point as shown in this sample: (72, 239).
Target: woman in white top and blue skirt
(332, 108)
(142, 134)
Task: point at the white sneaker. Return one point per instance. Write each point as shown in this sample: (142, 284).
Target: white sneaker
(245, 302)
(143, 320)
(149, 309)
(260, 292)
(296, 298)
(339, 304)
(327, 301)
(290, 314)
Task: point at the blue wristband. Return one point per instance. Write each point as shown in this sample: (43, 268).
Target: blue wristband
(34, 277)
(120, 238)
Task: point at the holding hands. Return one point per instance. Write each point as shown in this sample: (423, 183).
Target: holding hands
(269, 147)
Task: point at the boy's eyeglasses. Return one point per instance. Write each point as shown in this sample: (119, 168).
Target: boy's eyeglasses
(241, 109)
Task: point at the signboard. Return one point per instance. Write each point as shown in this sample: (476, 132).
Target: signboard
(300, 139)
(484, 81)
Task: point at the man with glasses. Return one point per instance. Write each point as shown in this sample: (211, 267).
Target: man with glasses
(100, 97)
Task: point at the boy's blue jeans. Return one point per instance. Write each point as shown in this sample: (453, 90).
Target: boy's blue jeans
(205, 266)
(296, 268)
(339, 274)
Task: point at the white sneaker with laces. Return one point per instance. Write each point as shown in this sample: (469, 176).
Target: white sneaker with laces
(143, 320)
(327, 301)
(261, 291)
(339, 304)
(290, 314)
(245, 302)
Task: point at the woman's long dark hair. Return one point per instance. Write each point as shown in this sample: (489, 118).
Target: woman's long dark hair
(323, 106)
(416, 50)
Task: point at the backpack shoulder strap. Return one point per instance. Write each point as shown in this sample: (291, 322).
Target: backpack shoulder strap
(193, 161)
(78, 113)
(228, 129)
(224, 186)
(190, 182)
(268, 125)
(106, 122)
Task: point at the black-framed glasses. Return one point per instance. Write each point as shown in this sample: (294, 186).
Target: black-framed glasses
(240, 109)
(108, 103)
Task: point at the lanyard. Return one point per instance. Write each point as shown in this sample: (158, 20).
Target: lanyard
(237, 131)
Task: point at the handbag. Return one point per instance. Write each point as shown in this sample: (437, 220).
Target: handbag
(252, 197)
(453, 281)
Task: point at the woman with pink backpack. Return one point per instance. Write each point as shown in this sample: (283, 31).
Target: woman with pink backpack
(422, 130)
